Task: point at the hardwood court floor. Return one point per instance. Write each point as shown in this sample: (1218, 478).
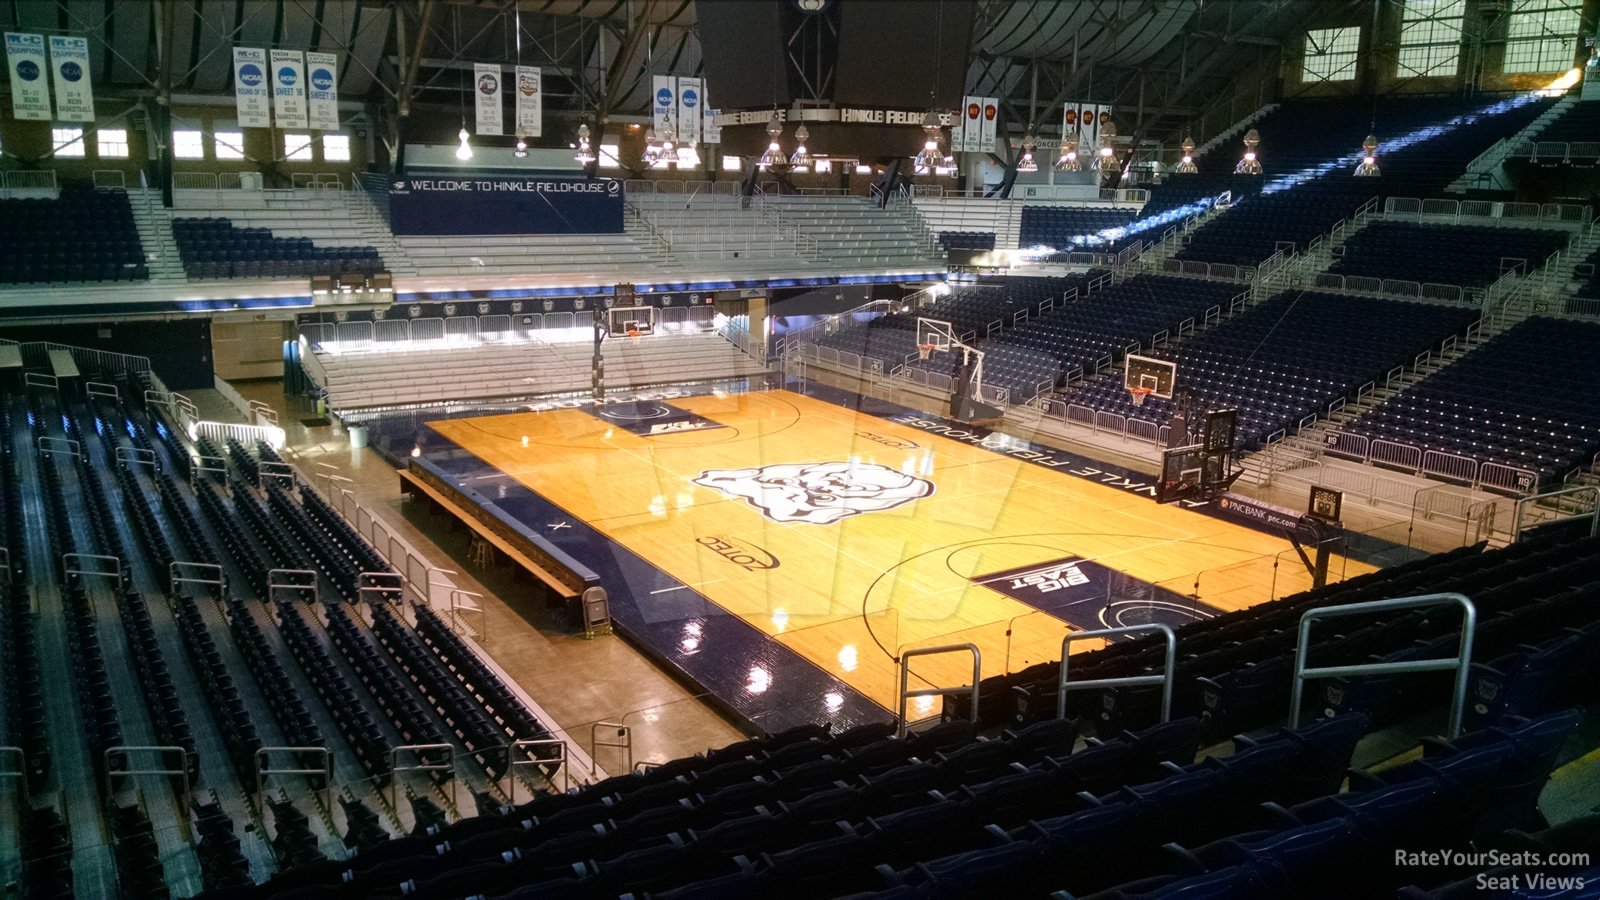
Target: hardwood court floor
(846, 594)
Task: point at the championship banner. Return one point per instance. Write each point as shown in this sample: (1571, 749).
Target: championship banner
(691, 99)
(289, 88)
(250, 91)
(713, 131)
(490, 114)
(991, 124)
(457, 205)
(665, 106)
(971, 124)
(30, 92)
(322, 95)
(530, 101)
(69, 64)
(956, 138)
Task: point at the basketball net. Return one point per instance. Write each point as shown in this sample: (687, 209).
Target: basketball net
(925, 350)
(1139, 393)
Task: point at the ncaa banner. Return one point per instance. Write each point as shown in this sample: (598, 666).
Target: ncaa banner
(289, 88)
(322, 94)
(713, 131)
(665, 106)
(490, 116)
(250, 91)
(69, 64)
(991, 124)
(971, 124)
(530, 101)
(691, 100)
(30, 92)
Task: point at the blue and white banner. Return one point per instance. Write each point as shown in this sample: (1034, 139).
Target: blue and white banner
(30, 90)
(252, 92)
(486, 88)
(530, 101)
(450, 204)
(664, 103)
(69, 64)
(713, 131)
(691, 103)
(322, 94)
(289, 88)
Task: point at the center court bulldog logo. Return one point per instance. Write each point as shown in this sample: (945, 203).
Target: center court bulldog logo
(818, 493)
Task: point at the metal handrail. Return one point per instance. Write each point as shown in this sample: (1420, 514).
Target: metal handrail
(264, 769)
(1461, 663)
(395, 769)
(20, 773)
(1168, 669)
(905, 678)
(48, 445)
(181, 771)
(69, 559)
(276, 583)
(136, 456)
(623, 732)
(1593, 515)
(176, 575)
(560, 759)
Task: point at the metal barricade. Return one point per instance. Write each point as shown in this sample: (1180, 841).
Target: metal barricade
(1169, 667)
(1401, 456)
(907, 693)
(1461, 664)
(531, 759)
(1450, 465)
(299, 580)
(624, 741)
(1593, 515)
(182, 770)
(1501, 477)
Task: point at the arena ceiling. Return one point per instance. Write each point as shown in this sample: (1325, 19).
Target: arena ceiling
(1164, 56)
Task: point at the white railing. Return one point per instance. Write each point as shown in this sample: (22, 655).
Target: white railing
(1504, 213)
(679, 186)
(248, 435)
(1414, 459)
(31, 180)
(1555, 153)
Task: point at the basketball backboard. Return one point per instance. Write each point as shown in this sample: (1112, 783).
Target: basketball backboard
(1204, 470)
(935, 334)
(1159, 376)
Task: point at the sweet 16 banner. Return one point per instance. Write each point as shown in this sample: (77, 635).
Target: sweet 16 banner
(30, 90)
(322, 94)
(289, 88)
(664, 102)
(486, 88)
(530, 101)
(453, 204)
(69, 63)
(251, 92)
(691, 99)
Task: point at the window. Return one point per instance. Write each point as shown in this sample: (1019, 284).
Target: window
(732, 164)
(1430, 38)
(1330, 55)
(113, 143)
(1542, 36)
(297, 146)
(608, 156)
(188, 145)
(67, 141)
(688, 157)
(336, 148)
(229, 144)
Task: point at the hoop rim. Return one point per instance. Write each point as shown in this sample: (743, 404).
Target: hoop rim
(1139, 393)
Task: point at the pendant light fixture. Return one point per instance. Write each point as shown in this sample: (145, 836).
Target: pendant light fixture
(1027, 165)
(1186, 165)
(1250, 163)
(1368, 167)
(1106, 159)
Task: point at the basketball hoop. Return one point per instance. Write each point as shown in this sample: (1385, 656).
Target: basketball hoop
(925, 350)
(1139, 393)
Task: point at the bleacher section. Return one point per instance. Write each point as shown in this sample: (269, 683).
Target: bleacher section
(216, 248)
(1130, 813)
(1289, 358)
(1066, 227)
(1466, 255)
(720, 229)
(1312, 190)
(1090, 335)
(852, 232)
(1522, 401)
(83, 235)
(380, 375)
(1573, 139)
(966, 240)
(107, 650)
(328, 218)
(975, 312)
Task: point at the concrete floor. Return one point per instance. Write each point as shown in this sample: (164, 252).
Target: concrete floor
(579, 682)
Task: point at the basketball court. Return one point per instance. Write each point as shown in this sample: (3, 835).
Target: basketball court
(847, 536)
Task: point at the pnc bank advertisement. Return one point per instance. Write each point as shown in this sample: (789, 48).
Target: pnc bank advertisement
(546, 204)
